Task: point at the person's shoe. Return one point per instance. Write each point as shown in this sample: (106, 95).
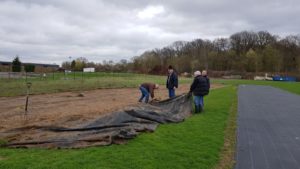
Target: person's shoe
(196, 109)
(200, 109)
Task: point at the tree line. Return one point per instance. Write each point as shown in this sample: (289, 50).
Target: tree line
(245, 51)
(106, 66)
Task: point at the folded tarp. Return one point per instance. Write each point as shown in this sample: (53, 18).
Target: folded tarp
(114, 128)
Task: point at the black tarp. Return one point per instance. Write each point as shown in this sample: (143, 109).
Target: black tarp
(114, 128)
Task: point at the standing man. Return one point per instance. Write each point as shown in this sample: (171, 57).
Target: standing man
(199, 88)
(204, 74)
(146, 90)
(172, 81)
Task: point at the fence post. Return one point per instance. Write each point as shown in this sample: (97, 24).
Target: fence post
(27, 96)
(53, 75)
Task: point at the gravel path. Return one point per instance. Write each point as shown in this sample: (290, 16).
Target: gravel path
(268, 128)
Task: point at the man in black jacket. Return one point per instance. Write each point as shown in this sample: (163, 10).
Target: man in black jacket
(199, 88)
(172, 82)
(204, 74)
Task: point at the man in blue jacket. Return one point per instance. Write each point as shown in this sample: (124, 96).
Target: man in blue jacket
(172, 81)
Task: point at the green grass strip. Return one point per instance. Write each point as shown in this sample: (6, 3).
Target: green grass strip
(293, 87)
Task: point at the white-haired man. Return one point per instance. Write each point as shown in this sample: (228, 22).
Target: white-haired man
(199, 89)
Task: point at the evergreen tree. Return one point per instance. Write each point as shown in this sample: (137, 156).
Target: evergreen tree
(16, 64)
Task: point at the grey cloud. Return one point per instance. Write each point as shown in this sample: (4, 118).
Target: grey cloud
(50, 31)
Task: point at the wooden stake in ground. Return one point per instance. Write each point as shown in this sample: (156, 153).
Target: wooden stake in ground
(28, 84)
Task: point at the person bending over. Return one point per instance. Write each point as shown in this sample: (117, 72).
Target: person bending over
(146, 90)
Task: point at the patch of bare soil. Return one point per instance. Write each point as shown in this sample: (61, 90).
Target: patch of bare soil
(70, 108)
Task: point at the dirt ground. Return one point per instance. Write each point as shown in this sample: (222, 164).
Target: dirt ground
(63, 109)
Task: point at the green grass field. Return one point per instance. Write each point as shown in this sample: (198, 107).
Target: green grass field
(196, 143)
(82, 81)
(60, 82)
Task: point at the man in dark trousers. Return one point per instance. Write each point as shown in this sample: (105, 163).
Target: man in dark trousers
(146, 90)
(199, 88)
(172, 81)
(204, 74)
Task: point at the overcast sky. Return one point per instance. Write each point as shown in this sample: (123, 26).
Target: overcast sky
(49, 31)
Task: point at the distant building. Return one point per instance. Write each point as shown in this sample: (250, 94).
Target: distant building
(6, 67)
(89, 69)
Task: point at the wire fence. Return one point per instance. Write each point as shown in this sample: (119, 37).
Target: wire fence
(71, 75)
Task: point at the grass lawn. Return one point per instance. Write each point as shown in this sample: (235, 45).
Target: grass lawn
(196, 143)
(83, 81)
(60, 82)
(293, 87)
